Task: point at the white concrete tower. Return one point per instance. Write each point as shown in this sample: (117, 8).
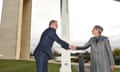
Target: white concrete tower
(65, 20)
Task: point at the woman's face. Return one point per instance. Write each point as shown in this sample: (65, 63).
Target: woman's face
(95, 32)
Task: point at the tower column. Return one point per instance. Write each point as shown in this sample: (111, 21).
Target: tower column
(15, 29)
(65, 20)
(26, 30)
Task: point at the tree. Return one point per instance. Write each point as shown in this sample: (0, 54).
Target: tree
(116, 54)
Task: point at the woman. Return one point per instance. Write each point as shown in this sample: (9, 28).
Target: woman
(101, 54)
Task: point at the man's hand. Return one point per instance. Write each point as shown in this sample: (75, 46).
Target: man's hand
(112, 67)
(72, 47)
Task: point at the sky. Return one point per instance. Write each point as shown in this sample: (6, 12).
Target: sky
(83, 15)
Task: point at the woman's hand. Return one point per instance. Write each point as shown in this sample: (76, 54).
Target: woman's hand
(73, 47)
(112, 67)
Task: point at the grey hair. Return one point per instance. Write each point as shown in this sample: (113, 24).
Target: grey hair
(99, 28)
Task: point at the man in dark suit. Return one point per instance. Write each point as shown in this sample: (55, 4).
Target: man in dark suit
(43, 50)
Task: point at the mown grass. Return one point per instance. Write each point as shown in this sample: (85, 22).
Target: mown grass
(117, 70)
(24, 66)
(27, 66)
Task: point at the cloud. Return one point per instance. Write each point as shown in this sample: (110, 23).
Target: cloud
(84, 14)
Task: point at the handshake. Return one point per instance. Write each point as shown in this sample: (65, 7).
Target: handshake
(72, 47)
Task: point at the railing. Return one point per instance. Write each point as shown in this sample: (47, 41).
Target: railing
(66, 60)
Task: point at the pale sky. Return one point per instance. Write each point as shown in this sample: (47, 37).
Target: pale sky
(84, 14)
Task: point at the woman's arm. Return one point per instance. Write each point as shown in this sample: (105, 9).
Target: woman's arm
(87, 45)
(109, 52)
(110, 55)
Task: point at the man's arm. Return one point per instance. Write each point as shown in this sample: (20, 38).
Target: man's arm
(55, 37)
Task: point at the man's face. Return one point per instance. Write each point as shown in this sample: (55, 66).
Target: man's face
(55, 25)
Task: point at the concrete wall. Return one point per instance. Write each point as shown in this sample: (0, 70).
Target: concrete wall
(15, 29)
(26, 30)
(9, 28)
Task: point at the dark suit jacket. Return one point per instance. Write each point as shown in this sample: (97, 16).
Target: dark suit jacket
(46, 42)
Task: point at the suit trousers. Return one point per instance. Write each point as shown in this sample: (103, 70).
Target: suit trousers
(42, 62)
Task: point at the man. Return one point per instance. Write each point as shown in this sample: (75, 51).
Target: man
(43, 50)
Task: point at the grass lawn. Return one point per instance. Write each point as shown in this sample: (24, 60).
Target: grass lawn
(24, 66)
(27, 66)
(117, 70)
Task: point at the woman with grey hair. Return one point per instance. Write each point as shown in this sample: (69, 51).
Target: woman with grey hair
(101, 53)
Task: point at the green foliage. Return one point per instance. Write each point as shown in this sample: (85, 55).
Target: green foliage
(116, 54)
(86, 56)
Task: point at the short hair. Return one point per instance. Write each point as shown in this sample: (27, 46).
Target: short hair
(99, 28)
(52, 21)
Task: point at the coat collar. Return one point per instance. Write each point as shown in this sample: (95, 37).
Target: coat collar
(100, 39)
(52, 29)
